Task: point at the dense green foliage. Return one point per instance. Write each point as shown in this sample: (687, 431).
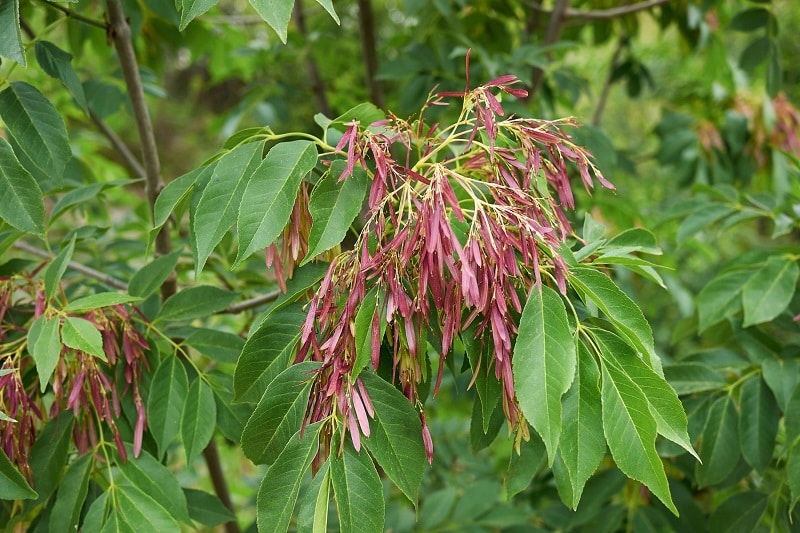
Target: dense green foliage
(357, 273)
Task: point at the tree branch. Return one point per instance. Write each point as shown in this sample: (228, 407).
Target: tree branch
(554, 25)
(314, 78)
(603, 14)
(252, 302)
(77, 267)
(119, 145)
(601, 102)
(77, 16)
(120, 31)
(366, 21)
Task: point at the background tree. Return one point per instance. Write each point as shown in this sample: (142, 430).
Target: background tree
(436, 272)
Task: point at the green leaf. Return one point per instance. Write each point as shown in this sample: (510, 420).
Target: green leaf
(755, 53)
(280, 486)
(486, 385)
(750, 19)
(618, 307)
(312, 512)
(792, 417)
(198, 420)
(634, 240)
(191, 9)
(12, 484)
(48, 455)
(55, 270)
(740, 513)
(701, 218)
(793, 472)
(206, 508)
(218, 345)
(523, 466)
(195, 302)
(218, 206)
(101, 299)
(688, 378)
(371, 304)
(631, 432)
(334, 205)
(57, 63)
(142, 512)
(21, 203)
(80, 334)
(395, 439)
(177, 191)
(267, 353)
(719, 445)
(662, 400)
(10, 35)
(38, 128)
(768, 293)
(758, 423)
(271, 193)
(304, 278)
(71, 495)
(279, 413)
(276, 13)
(168, 390)
(720, 299)
(358, 491)
(583, 444)
(328, 5)
(44, 344)
(156, 480)
(544, 363)
(782, 377)
(151, 276)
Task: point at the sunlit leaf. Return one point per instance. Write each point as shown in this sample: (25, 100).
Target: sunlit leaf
(156, 480)
(142, 512)
(10, 35)
(55, 270)
(334, 205)
(38, 128)
(150, 277)
(191, 9)
(270, 195)
(80, 334)
(101, 299)
(276, 13)
(21, 203)
(544, 363)
(218, 206)
(44, 344)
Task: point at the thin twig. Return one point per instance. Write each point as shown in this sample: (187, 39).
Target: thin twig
(603, 14)
(554, 25)
(211, 455)
(601, 102)
(77, 16)
(366, 21)
(252, 302)
(119, 145)
(77, 267)
(121, 33)
(314, 77)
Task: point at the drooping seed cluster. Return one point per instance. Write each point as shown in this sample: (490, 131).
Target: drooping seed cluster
(80, 382)
(462, 222)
